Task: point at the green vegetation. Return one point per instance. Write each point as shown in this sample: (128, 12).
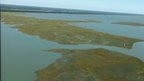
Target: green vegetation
(92, 65)
(129, 23)
(60, 31)
(80, 65)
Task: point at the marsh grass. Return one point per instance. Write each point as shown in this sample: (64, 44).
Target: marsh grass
(129, 23)
(59, 31)
(98, 64)
(80, 65)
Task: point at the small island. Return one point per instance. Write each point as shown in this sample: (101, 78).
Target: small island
(129, 23)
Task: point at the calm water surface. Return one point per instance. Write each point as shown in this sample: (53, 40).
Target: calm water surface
(22, 55)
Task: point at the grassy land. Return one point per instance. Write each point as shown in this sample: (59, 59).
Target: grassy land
(80, 65)
(59, 31)
(92, 65)
(129, 23)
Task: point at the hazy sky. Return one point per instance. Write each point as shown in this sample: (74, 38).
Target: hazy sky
(127, 6)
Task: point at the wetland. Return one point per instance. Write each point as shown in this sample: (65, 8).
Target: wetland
(130, 23)
(72, 47)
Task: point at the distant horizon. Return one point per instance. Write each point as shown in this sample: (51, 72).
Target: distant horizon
(121, 6)
(72, 9)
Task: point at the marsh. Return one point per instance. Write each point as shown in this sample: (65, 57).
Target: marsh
(48, 46)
